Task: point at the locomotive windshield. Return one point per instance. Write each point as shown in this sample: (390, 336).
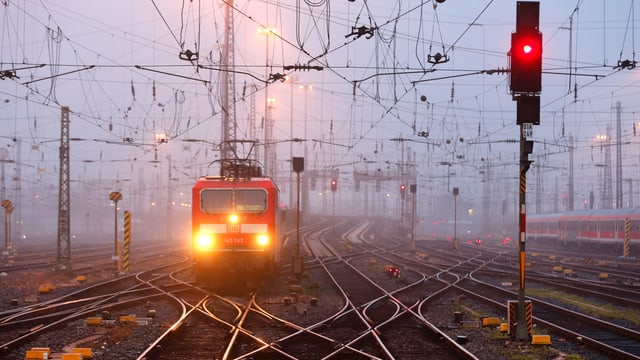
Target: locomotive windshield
(226, 200)
(251, 200)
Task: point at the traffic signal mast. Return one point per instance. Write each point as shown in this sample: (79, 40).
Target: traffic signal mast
(525, 82)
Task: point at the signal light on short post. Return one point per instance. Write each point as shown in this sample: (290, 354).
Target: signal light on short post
(334, 185)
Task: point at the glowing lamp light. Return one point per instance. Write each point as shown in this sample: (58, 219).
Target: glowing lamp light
(204, 241)
(263, 240)
(526, 61)
(267, 31)
(233, 218)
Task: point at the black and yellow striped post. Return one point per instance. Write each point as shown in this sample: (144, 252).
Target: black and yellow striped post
(626, 248)
(512, 317)
(127, 240)
(526, 147)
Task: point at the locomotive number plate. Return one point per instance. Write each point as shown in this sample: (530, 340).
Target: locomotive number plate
(234, 240)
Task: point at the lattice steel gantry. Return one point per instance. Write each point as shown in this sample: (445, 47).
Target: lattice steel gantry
(64, 199)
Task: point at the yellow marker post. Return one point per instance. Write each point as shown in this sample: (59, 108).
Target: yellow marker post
(127, 239)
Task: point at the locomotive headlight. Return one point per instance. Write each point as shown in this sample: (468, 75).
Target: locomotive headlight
(233, 218)
(263, 240)
(204, 242)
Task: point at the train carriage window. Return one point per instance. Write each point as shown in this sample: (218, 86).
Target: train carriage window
(251, 200)
(606, 225)
(550, 227)
(589, 226)
(635, 225)
(214, 200)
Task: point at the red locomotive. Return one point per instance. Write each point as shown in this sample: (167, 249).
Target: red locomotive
(605, 228)
(236, 224)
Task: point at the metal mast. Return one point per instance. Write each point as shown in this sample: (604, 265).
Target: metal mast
(607, 186)
(64, 200)
(571, 196)
(252, 120)
(228, 90)
(539, 189)
(618, 155)
(19, 231)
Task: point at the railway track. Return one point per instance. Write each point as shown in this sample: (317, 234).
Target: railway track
(27, 327)
(346, 306)
(372, 322)
(614, 340)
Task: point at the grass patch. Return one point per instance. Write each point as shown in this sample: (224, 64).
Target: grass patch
(586, 306)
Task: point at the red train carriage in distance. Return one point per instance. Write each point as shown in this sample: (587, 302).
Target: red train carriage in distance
(598, 229)
(236, 225)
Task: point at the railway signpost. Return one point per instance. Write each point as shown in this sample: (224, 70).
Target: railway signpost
(413, 188)
(8, 209)
(456, 244)
(296, 261)
(334, 187)
(116, 196)
(525, 83)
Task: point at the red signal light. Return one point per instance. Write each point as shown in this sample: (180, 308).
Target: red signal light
(393, 271)
(528, 48)
(526, 62)
(334, 185)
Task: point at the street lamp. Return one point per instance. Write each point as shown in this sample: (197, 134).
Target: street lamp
(266, 32)
(606, 197)
(269, 153)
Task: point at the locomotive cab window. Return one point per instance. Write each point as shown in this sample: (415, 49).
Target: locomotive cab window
(250, 200)
(212, 201)
(244, 200)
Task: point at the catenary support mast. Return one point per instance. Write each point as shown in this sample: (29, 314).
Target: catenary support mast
(228, 89)
(64, 198)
